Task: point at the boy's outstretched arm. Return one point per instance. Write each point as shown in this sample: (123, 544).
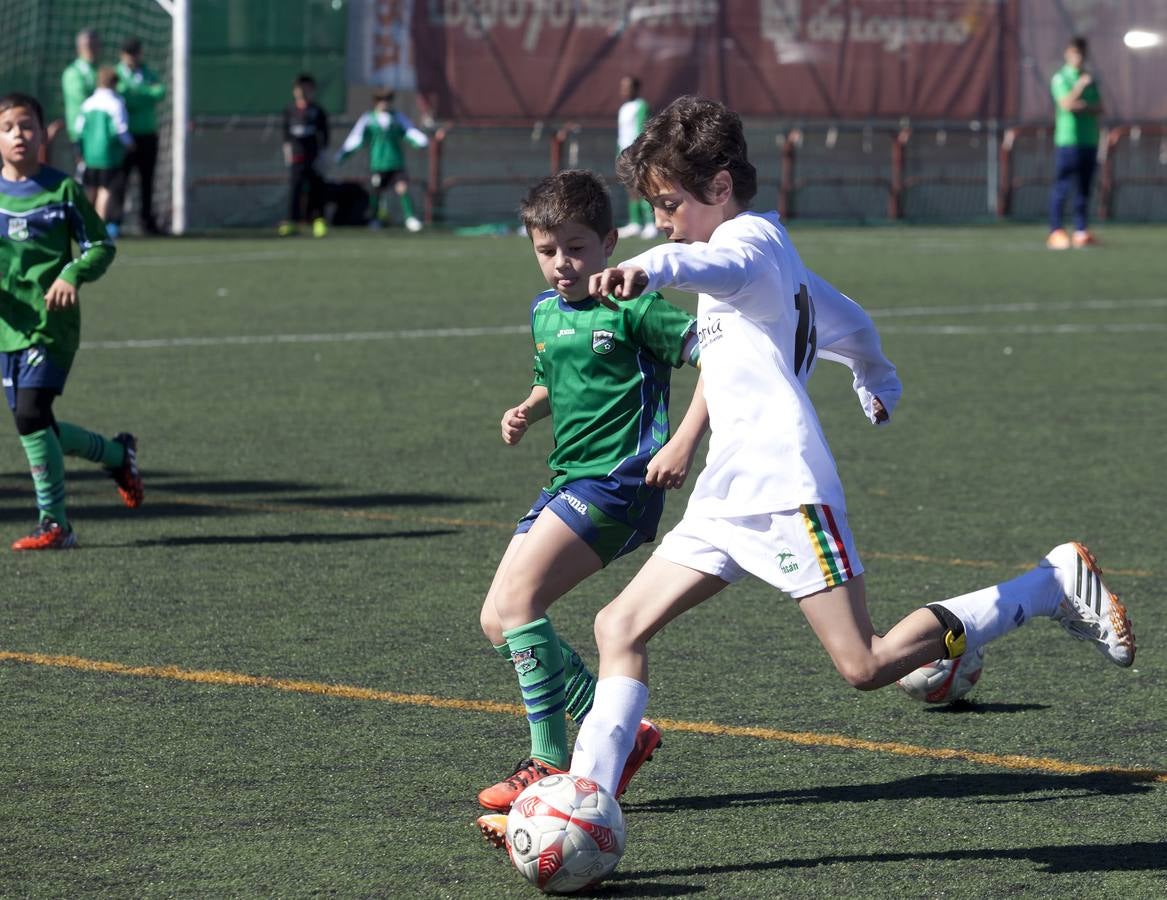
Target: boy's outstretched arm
(517, 419)
(847, 335)
(672, 463)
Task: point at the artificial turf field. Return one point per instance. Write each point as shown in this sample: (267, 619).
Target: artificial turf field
(269, 680)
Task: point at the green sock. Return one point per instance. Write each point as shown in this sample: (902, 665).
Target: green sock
(635, 212)
(407, 206)
(538, 661)
(579, 683)
(47, 463)
(76, 441)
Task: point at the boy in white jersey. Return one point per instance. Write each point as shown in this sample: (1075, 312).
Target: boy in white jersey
(769, 501)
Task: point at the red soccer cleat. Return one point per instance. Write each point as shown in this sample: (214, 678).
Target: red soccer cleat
(499, 797)
(49, 535)
(648, 739)
(126, 476)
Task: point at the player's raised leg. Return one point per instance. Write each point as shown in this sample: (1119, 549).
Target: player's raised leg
(538, 567)
(119, 456)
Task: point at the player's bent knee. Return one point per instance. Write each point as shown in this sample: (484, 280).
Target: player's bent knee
(614, 630)
(864, 675)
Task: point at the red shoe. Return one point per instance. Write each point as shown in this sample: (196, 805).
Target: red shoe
(499, 797)
(648, 739)
(49, 535)
(126, 476)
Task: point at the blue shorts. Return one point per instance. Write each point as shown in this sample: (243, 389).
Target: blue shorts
(597, 510)
(31, 368)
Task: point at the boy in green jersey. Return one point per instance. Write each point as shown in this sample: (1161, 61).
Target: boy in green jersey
(602, 375)
(42, 211)
(384, 131)
(142, 91)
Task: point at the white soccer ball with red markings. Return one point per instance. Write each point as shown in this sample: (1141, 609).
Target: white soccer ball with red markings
(565, 833)
(945, 680)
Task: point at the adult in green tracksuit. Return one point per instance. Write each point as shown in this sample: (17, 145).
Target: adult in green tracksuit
(142, 91)
(79, 79)
(1077, 105)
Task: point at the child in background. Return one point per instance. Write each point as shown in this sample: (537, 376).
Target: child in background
(103, 137)
(42, 211)
(305, 138)
(630, 119)
(384, 130)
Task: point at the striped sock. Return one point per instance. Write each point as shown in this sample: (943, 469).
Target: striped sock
(47, 463)
(77, 441)
(538, 661)
(579, 682)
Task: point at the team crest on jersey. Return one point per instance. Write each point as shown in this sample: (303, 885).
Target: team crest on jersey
(524, 661)
(18, 229)
(603, 342)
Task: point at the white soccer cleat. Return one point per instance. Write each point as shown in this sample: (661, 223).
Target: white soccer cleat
(413, 224)
(1089, 611)
(649, 232)
(632, 229)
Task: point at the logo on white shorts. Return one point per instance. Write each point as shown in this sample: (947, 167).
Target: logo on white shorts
(787, 567)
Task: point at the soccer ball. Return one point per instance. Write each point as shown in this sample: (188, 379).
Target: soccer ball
(945, 680)
(565, 833)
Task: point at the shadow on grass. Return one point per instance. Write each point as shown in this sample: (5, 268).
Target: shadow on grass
(301, 538)
(977, 788)
(971, 707)
(1053, 860)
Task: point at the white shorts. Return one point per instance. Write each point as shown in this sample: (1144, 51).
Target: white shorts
(801, 551)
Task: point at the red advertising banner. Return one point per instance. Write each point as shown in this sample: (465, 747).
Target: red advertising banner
(536, 59)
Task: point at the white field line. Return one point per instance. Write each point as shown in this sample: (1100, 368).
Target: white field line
(903, 312)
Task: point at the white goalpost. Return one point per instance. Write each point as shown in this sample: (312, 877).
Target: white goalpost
(179, 12)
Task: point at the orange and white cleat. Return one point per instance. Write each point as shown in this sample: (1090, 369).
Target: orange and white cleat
(494, 828)
(499, 797)
(1058, 240)
(49, 535)
(1082, 239)
(648, 740)
(1089, 611)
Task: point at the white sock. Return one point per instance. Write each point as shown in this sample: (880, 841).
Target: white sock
(991, 612)
(606, 736)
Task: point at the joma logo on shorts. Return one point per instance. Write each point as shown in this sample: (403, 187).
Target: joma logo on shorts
(575, 503)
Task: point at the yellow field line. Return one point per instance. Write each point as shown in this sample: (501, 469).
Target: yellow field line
(711, 729)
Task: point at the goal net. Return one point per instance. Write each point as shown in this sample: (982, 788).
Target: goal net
(37, 42)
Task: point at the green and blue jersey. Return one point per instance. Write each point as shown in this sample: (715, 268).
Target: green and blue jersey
(40, 220)
(607, 375)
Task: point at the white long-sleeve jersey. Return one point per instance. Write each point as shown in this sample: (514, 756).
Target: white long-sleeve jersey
(763, 318)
